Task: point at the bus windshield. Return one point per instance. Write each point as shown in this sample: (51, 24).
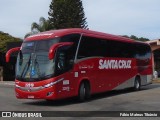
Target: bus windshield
(33, 62)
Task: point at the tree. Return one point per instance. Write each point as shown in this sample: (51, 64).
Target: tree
(30, 33)
(143, 39)
(67, 14)
(136, 38)
(4, 39)
(42, 26)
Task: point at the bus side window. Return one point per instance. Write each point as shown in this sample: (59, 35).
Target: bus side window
(92, 47)
(64, 59)
(61, 61)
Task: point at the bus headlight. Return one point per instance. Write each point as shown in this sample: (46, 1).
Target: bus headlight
(53, 83)
(17, 86)
(49, 84)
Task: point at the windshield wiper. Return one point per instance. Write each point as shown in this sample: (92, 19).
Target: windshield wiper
(37, 66)
(26, 66)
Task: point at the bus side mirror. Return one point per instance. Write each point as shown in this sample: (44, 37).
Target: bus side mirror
(54, 47)
(10, 52)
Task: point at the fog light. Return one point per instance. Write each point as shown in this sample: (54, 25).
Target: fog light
(50, 93)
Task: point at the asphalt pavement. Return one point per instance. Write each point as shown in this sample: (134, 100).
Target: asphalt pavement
(147, 99)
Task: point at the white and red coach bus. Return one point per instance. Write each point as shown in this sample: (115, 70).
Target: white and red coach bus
(76, 62)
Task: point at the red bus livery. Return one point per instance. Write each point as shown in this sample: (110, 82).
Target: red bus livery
(76, 62)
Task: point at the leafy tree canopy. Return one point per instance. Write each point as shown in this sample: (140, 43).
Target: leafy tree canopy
(137, 38)
(67, 14)
(4, 39)
(62, 14)
(42, 26)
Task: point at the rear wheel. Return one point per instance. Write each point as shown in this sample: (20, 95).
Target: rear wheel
(137, 84)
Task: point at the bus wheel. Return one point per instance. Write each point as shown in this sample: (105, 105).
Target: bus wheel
(137, 84)
(88, 92)
(84, 91)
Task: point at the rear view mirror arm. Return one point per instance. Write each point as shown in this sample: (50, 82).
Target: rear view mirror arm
(10, 52)
(54, 47)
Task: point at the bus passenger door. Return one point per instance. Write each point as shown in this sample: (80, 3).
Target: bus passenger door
(64, 69)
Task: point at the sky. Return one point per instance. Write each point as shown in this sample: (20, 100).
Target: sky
(120, 17)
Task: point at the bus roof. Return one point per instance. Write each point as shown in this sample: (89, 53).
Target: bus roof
(62, 32)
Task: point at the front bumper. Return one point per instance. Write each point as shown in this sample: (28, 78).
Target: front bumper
(47, 89)
(45, 93)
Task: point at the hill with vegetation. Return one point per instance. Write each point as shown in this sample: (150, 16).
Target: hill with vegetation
(6, 38)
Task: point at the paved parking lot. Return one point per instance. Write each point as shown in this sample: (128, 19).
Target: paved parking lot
(148, 99)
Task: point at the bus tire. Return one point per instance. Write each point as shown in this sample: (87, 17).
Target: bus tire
(88, 92)
(84, 91)
(137, 84)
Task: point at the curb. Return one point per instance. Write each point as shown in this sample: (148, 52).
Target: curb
(156, 81)
(7, 83)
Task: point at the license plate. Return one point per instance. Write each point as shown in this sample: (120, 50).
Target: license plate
(31, 96)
